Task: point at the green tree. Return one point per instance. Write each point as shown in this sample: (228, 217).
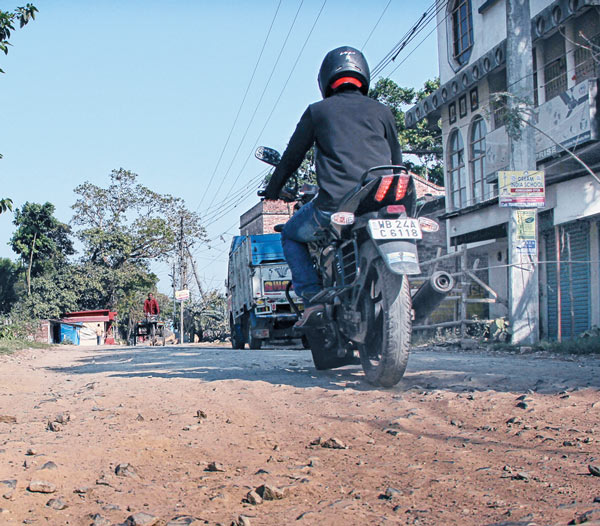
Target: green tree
(6, 203)
(41, 240)
(425, 140)
(8, 19)
(127, 222)
(9, 274)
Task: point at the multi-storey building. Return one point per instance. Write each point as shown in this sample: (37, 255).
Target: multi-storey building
(472, 68)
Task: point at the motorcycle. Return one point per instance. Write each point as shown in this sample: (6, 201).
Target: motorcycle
(364, 258)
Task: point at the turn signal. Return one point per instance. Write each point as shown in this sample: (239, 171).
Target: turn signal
(384, 186)
(402, 186)
(342, 218)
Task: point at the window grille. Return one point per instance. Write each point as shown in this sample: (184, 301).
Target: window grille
(587, 59)
(555, 76)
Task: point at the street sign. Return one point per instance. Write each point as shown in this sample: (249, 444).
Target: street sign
(182, 295)
(523, 189)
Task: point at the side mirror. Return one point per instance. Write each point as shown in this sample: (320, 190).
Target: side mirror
(267, 155)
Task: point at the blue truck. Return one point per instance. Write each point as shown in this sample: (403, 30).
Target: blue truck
(257, 277)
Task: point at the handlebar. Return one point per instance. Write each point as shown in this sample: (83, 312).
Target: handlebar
(288, 195)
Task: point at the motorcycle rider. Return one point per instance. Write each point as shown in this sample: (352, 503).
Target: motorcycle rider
(351, 133)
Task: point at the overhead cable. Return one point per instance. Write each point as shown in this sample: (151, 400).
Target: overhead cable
(241, 104)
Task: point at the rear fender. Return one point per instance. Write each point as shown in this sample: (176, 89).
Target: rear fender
(400, 256)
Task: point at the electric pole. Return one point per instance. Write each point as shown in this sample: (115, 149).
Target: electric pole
(523, 280)
(182, 276)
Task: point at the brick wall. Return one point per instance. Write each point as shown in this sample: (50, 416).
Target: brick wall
(262, 218)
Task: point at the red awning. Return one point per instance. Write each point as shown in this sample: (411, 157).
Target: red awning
(90, 316)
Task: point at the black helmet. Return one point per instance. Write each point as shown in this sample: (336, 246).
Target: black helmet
(343, 62)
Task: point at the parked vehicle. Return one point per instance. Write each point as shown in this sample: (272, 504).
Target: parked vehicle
(364, 258)
(258, 275)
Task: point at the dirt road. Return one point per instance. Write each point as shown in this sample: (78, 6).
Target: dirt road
(167, 435)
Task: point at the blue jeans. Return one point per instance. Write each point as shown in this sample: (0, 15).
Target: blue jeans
(298, 231)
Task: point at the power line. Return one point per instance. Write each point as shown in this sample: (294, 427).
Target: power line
(260, 100)
(241, 104)
(218, 207)
(376, 24)
(418, 45)
(425, 19)
(282, 90)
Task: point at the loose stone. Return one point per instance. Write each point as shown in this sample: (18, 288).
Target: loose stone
(56, 504)
(141, 519)
(40, 486)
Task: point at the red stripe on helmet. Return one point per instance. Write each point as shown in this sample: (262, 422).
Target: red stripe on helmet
(346, 80)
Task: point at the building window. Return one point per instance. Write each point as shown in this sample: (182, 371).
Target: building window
(555, 66)
(482, 191)
(462, 30)
(586, 58)
(456, 171)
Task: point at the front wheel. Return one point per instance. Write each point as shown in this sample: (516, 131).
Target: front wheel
(386, 307)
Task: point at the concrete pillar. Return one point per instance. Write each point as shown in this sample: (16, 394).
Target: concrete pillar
(523, 298)
(570, 37)
(594, 274)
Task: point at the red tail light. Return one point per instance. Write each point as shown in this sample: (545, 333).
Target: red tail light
(402, 186)
(384, 186)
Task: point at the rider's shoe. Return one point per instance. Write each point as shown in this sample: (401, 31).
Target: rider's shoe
(313, 317)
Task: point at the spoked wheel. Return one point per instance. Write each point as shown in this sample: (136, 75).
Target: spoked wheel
(386, 307)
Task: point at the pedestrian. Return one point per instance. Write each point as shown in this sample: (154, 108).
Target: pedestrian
(99, 334)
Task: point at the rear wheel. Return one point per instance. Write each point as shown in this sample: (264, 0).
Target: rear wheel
(237, 338)
(323, 347)
(386, 307)
(253, 343)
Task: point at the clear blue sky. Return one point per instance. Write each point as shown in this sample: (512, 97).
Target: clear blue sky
(154, 87)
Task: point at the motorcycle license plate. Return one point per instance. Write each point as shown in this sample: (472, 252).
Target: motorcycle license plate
(404, 228)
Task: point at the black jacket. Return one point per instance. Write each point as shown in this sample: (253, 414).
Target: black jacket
(352, 133)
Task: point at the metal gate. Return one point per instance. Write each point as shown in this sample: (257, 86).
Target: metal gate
(569, 295)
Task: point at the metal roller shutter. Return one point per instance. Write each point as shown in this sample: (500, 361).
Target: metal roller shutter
(574, 280)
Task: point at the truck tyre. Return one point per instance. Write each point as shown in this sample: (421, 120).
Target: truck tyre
(237, 338)
(386, 306)
(253, 343)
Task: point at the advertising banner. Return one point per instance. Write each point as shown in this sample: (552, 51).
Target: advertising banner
(522, 189)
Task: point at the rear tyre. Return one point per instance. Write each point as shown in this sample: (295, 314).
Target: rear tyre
(253, 343)
(386, 306)
(237, 339)
(324, 350)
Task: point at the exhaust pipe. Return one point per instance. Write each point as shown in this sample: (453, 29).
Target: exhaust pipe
(431, 294)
